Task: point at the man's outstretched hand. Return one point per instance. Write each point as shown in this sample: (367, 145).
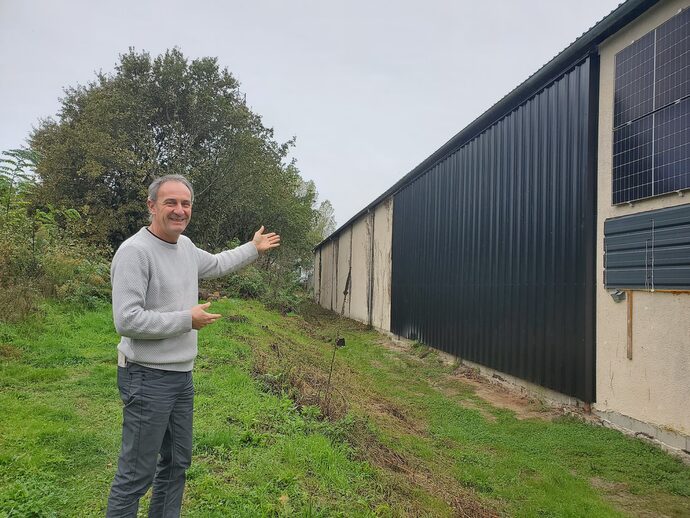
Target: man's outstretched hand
(200, 318)
(264, 242)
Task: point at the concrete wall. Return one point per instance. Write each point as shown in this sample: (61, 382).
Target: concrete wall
(342, 301)
(361, 259)
(383, 243)
(327, 280)
(317, 276)
(654, 386)
(364, 251)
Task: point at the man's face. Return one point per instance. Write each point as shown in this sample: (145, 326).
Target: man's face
(171, 211)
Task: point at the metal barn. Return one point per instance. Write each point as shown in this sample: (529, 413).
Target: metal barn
(504, 246)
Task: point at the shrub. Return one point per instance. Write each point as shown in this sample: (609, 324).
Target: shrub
(276, 286)
(17, 301)
(43, 256)
(88, 285)
(247, 283)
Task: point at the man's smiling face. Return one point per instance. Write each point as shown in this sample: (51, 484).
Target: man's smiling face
(172, 210)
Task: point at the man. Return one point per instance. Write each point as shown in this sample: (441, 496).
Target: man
(155, 277)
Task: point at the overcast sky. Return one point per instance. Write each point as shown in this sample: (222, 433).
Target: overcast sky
(369, 88)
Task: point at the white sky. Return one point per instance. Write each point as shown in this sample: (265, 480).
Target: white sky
(369, 88)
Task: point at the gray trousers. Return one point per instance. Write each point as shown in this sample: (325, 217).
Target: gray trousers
(156, 440)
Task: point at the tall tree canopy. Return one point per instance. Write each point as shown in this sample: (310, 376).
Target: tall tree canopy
(168, 115)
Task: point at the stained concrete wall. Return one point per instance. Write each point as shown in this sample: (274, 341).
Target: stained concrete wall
(361, 259)
(654, 386)
(326, 282)
(363, 250)
(317, 276)
(383, 243)
(343, 260)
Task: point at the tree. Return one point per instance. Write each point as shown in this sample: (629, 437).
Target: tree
(168, 115)
(325, 220)
(17, 168)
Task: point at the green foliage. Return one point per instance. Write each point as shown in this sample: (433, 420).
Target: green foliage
(155, 116)
(248, 283)
(275, 286)
(17, 168)
(268, 280)
(170, 115)
(42, 254)
(324, 224)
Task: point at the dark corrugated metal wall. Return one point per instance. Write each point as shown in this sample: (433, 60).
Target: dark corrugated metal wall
(493, 248)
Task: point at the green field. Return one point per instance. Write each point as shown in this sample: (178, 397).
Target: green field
(395, 432)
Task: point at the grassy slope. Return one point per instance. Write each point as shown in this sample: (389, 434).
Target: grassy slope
(405, 437)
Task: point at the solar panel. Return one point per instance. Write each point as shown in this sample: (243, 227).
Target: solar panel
(672, 72)
(632, 161)
(672, 148)
(651, 138)
(634, 90)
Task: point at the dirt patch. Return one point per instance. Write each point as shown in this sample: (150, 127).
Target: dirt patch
(494, 393)
(395, 345)
(9, 352)
(501, 397)
(465, 395)
(633, 505)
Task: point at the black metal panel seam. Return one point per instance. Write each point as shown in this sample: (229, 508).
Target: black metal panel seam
(590, 232)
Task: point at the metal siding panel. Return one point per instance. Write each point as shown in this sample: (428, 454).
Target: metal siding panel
(662, 218)
(488, 244)
(648, 250)
(674, 256)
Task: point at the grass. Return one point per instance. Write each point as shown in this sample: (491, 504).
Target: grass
(396, 433)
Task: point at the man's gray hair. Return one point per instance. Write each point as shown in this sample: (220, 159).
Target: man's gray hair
(156, 184)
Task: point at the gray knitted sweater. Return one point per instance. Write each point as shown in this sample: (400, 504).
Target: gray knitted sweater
(155, 286)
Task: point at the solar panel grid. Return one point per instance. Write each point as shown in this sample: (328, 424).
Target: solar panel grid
(632, 163)
(672, 148)
(673, 60)
(651, 141)
(634, 81)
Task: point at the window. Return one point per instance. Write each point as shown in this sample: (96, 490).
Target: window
(651, 121)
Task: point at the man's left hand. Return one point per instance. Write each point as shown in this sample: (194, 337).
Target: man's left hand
(265, 242)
